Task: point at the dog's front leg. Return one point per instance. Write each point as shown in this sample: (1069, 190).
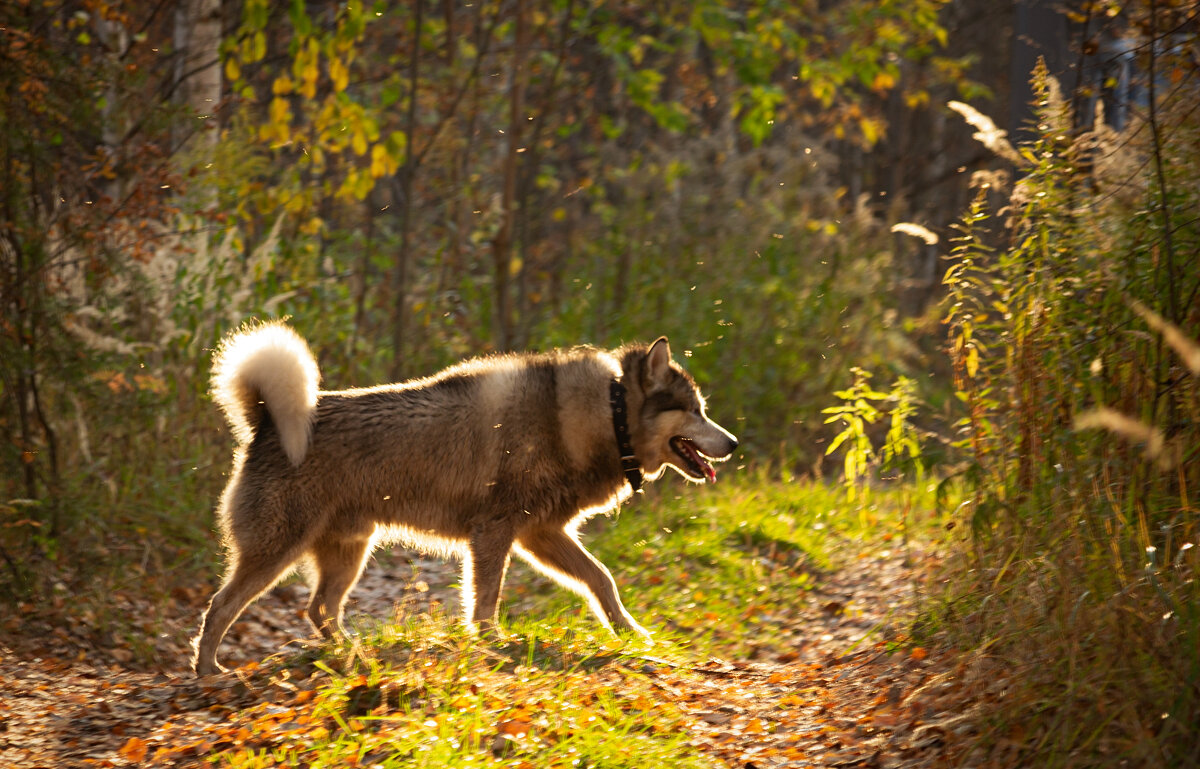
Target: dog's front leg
(483, 571)
(561, 557)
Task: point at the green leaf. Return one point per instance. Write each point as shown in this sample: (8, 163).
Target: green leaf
(837, 441)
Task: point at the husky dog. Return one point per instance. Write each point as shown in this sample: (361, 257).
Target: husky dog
(509, 453)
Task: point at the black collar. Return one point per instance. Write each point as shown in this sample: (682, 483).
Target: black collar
(629, 462)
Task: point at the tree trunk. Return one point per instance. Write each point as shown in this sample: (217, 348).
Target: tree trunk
(502, 245)
(405, 183)
(198, 72)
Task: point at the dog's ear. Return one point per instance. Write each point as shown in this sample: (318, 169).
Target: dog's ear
(658, 363)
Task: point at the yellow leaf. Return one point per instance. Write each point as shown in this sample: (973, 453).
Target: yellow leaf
(339, 74)
(317, 156)
(871, 130)
(972, 361)
(305, 68)
(280, 116)
(916, 99)
(232, 71)
(382, 163)
(883, 81)
(282, 86)
(258, 46)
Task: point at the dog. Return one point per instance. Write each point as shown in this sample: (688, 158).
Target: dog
(496, 455)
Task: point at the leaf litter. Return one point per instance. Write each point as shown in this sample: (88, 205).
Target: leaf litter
(845, 689)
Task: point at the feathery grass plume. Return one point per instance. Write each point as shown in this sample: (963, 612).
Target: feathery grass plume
(1186, 348)
(1057, 108)
(93, 340)
(987, 133)
(916, 231)
(1131, 429)
(987, 179)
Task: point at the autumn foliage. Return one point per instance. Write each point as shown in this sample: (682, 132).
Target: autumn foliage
(979, 315)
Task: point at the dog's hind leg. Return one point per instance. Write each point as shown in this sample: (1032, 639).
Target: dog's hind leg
(252, 572)
(339, 564)
(559, 556)
(484, 566)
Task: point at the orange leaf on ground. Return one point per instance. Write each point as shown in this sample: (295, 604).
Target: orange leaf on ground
(514, 727)
(134, 750)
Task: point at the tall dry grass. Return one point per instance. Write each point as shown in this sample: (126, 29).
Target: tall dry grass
(1073, 317)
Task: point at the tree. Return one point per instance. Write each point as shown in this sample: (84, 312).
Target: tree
(86, 147)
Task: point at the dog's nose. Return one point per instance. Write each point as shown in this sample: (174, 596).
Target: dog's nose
(733, 444)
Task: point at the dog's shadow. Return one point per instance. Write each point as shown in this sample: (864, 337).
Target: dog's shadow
(413, 671)
(404, 652)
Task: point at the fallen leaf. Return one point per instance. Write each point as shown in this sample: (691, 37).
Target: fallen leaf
(514, 727)
(716, 719)
(134, 750)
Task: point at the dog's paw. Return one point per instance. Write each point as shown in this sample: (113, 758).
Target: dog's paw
(635, 633)
(212, 668)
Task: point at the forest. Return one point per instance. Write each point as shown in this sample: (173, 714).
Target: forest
(936, 263)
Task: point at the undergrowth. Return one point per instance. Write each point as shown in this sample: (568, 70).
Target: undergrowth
(1071, 326)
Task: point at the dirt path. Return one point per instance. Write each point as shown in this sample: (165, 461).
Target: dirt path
(829, 699)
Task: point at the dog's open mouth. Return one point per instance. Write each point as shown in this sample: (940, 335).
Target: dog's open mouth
(695, 463)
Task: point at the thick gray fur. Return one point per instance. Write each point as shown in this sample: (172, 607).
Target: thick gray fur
(496, 455)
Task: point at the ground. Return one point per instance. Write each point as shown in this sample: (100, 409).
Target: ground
(839, 694)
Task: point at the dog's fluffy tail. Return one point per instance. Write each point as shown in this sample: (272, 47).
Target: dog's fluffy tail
(267, 363)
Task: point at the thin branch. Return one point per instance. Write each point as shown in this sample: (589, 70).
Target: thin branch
(481, 51)
(1159, 172)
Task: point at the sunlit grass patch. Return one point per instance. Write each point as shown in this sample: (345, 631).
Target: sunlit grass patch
(424, 694)
(723, 570)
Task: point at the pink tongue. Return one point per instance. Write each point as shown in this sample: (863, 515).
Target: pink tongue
(710, 473)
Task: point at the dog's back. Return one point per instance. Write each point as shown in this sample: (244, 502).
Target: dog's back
(528, 434)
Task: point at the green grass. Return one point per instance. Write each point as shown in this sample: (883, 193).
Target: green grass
(424, 695)
(721, 568)
(711, 571)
